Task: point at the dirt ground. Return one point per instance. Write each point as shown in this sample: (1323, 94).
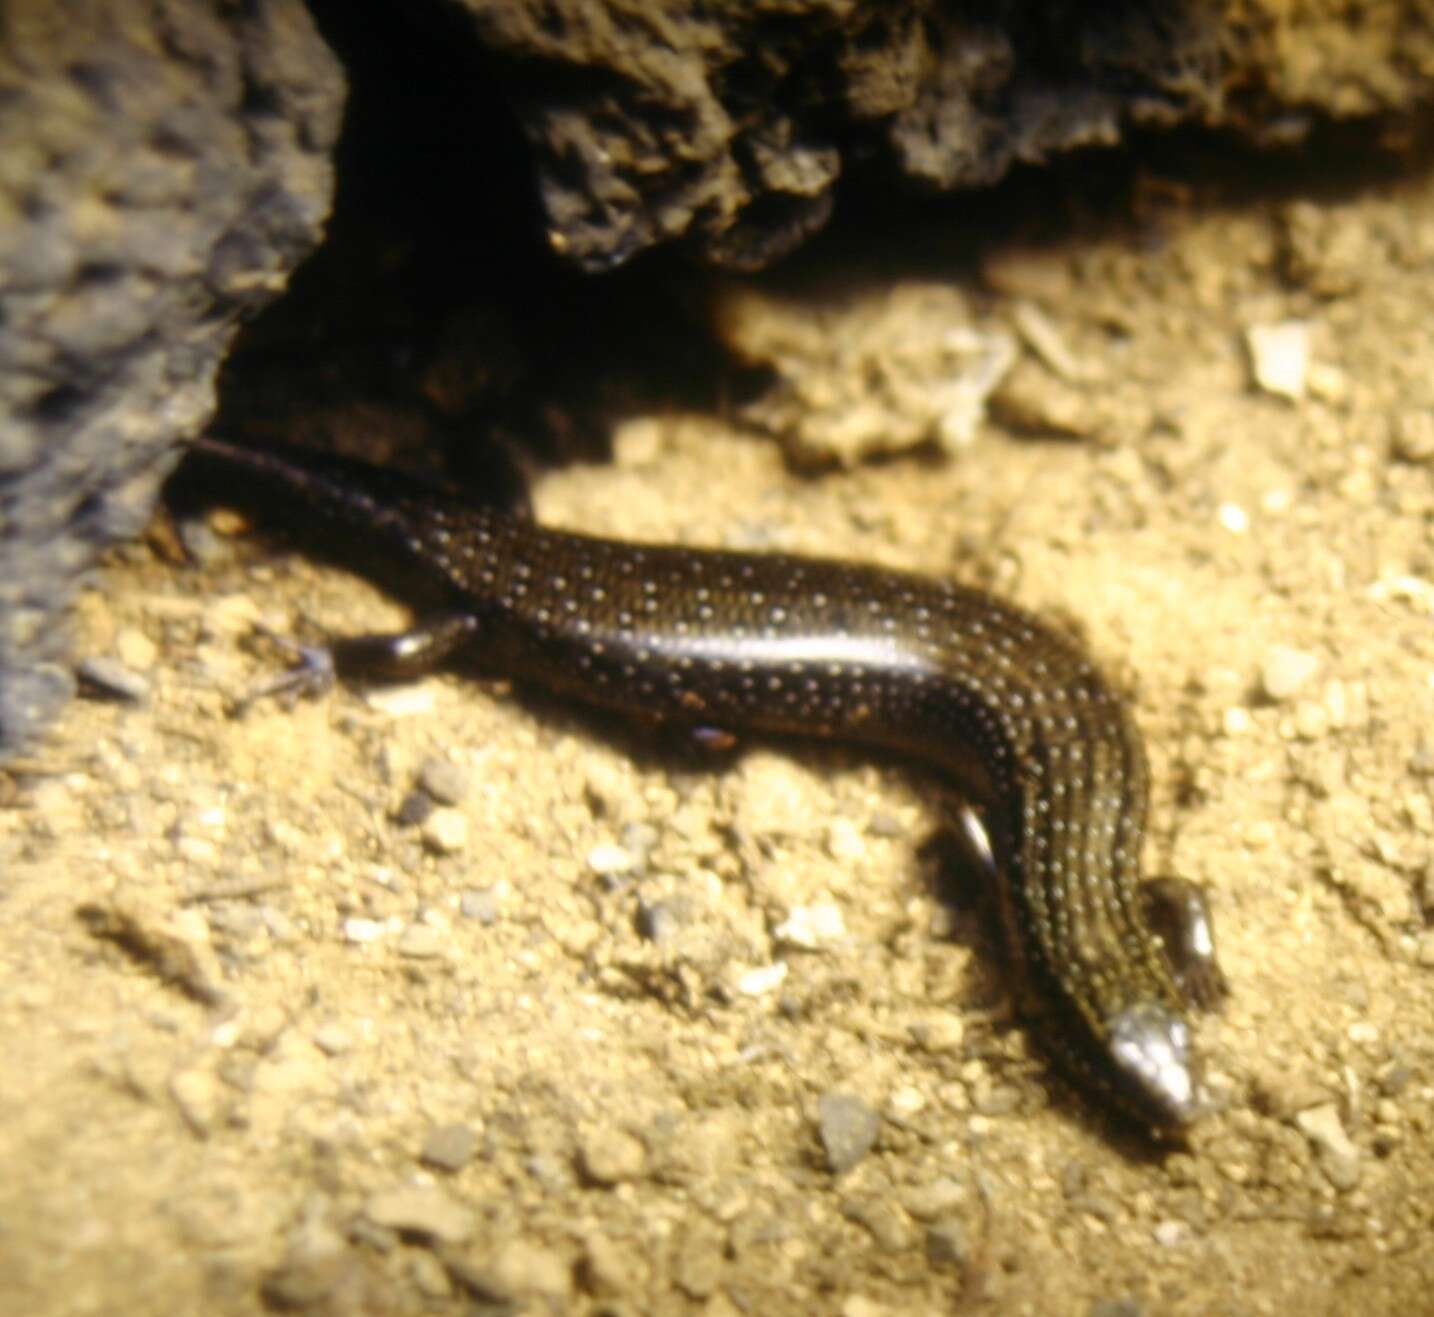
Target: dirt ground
(436, 999)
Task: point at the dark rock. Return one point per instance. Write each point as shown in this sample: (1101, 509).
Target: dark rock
(166, 168)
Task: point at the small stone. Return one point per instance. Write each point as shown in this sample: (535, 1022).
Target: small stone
(422, 1210)
(521, 1268)
(608, 858)
(449, 1147)
(1279, 357)
(479, 903)
(1311, 720)
(197, 1094)
(445, 831)
(135, 649)
(1233, 518)
(1412, 436)
(697, 1264)
(305, 1278)
(1284, 670)
(361, 931)
(608, 1268)
(812, 927)
(332, 1039)
(414, 808)
(429, 1277)
(421, 942)
(109, 679)
(608, 1155)
(931, 1202)
(762, 980)
(659, 921)
(848, 1128)
(940, 1033)
(1171, 1234)
(845, 844)
(1338, 1157)
(946, 1245)
(443, 781)
(1121, 1307)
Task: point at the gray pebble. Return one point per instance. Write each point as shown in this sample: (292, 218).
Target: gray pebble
(444, 782)
(109, 679)
(946, 1244)
(1122, 1307)
(479, 903)
(659, 922)
(449, 1147)
(414, 808)
(848, 1129)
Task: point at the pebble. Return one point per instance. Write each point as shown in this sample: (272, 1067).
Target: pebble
(1279, 357)
(1338, 1157)
(429, 1277)
(1171, 1234)
(762, 980)
(1233, 518)
(479, 903)
(361, 931)
(445, 831)
(812, 927)
(946, 1244)
(848, 1128)
(845, 844)
(449, 1147)
(940, 1033)
(332, 1039)
(421, 942)
(109, 679)
(1284, 670)
(1122, 1307)
(423, 1210)
(1412, 436)
(306, 1277)
(197, 1095)
(931, 1202)
(659, 921)
(519, 1269)
(134, 649)
(608, 1155)
(608, 858)
(608, 1268)
(442, 780)
(413, 809)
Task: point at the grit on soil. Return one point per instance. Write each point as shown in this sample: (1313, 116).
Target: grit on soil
(437, 999)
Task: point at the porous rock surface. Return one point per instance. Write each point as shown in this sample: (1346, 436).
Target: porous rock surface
(163, 167)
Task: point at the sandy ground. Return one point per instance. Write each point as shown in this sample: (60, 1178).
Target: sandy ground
(279, 1033)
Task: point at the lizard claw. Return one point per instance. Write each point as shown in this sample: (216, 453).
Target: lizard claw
(310, 674)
